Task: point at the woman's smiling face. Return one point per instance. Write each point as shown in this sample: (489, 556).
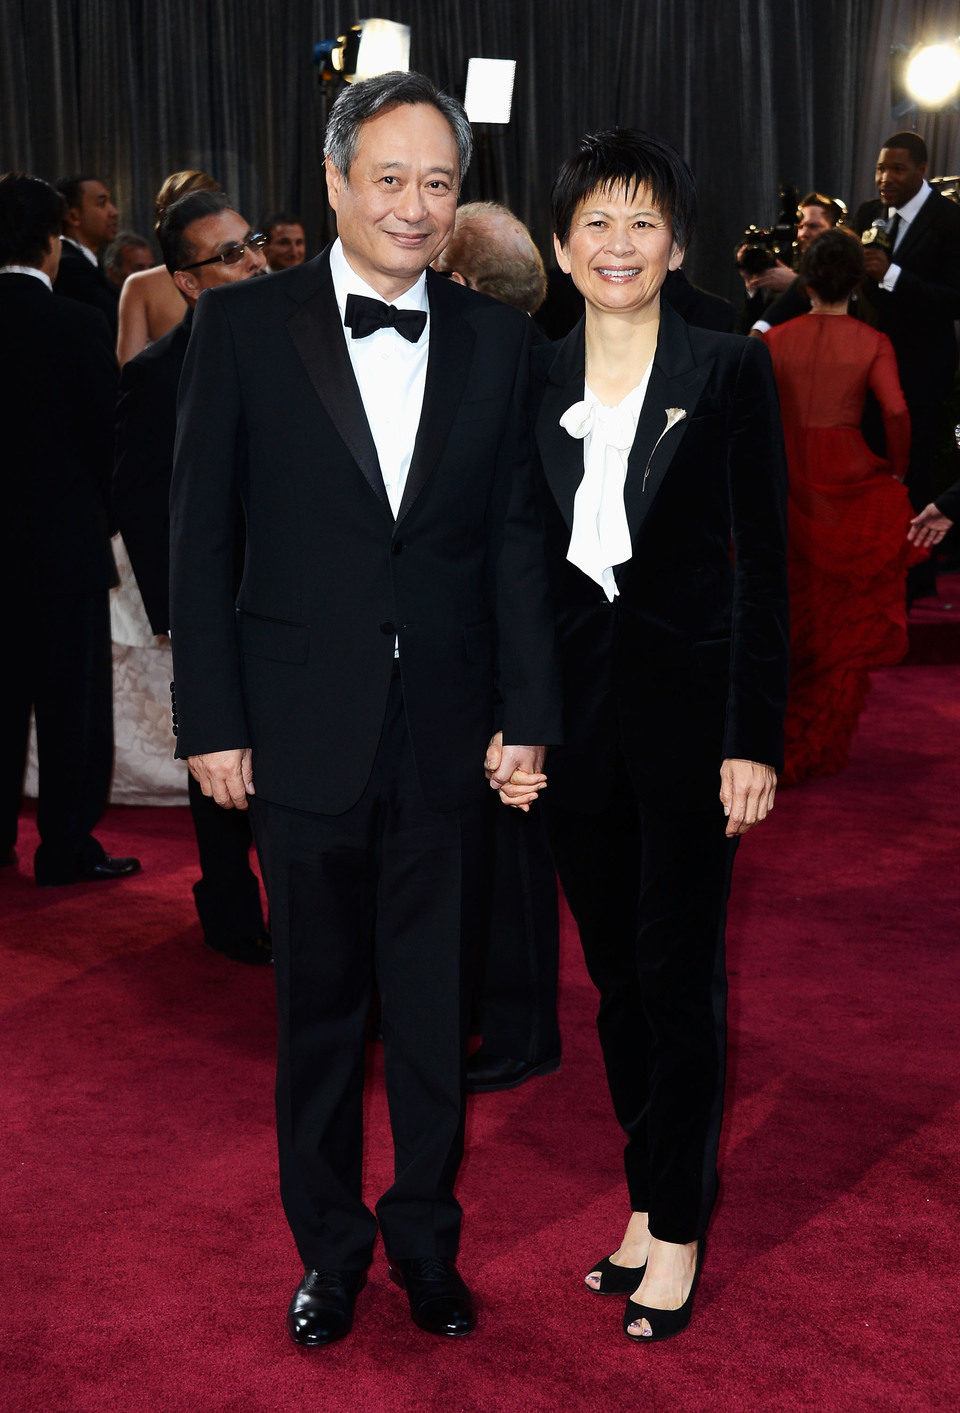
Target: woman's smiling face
(619, 249)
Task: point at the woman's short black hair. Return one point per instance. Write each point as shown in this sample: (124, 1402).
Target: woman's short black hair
(832, 265)
(624, 157)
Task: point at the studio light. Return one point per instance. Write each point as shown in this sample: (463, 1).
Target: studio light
(932, 76)
(369, 47)
(489, 92)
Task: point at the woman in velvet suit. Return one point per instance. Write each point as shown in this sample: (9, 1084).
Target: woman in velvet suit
(663, 488)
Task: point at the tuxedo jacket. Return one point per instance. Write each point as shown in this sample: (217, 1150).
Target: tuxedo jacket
(918, 314)
(698, 306)
(789, 304)
(78, 279)
(688, 665)
(299, 667)
(58, 386)
(146, 425)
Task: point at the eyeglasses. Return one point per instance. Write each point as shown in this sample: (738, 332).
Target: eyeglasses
(231, 254)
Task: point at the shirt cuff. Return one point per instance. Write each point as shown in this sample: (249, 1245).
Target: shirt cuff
(889, 281)
(760, 327)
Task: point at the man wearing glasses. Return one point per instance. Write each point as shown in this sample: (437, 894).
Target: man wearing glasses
(204, 244)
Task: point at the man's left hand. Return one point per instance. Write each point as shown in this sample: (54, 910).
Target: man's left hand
(516, 772)
(876, 262)
(747, 789)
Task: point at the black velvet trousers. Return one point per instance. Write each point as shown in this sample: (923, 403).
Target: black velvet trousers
(378, 890)
(648, 883)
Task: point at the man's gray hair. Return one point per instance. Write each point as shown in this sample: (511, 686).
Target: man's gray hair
(363, 100)
(122, 241)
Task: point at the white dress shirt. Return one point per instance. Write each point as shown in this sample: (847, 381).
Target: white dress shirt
(907, 213)
(390, 372)
(27, 270)
(600, 537)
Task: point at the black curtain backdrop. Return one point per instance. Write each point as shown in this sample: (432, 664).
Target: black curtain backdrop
(751, 92)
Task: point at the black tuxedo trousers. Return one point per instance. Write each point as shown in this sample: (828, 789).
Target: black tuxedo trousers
(377, 891)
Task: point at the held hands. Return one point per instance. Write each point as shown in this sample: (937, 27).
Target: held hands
(516, 772)
(747, 789)
(928, 528)
(226, 776)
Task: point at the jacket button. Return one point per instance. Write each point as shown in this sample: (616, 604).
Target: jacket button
(396, 547)
(389, 629)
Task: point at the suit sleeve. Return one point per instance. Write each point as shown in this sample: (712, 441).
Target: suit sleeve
(788, 305)
(528, 676)
(204, 504)
(141, 488)
(757, 480)
(95, 397)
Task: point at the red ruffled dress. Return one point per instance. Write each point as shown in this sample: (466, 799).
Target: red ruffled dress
(847, 526)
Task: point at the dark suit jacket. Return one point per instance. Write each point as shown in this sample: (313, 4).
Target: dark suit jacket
(146, 426)
(918, 315)
(698, 306)
(57, 393)
(688, 666)
(789, 304)
(78, 279)
(271, 414)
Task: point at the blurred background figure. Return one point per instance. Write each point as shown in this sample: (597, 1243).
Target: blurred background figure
(89, 223)
(286, 241)
(150, 303)
(848, 513)
(491, 250)
(515, 1006)
(127, 253)
(204, 244)
(58, 383)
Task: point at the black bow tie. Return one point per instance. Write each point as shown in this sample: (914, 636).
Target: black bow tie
(364, 316)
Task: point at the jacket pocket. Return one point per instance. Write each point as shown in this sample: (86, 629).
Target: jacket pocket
(272, 638)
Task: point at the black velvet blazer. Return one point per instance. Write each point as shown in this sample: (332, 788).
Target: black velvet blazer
(688, 666)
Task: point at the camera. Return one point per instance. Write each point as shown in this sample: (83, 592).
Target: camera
(760, 249)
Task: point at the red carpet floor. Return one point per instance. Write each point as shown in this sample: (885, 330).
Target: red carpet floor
(146, 1264)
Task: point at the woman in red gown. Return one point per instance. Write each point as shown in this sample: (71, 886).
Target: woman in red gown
(848, 510)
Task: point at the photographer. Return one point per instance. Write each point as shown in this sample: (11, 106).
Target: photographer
(817, 213)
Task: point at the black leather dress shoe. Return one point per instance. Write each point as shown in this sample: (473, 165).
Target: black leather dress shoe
(439, 1301)
(487, 1073)
(102, 871)
(255, 951)
(322, 1306)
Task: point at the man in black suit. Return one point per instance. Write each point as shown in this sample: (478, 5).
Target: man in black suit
(393, 612)
(89, 223)
(204, 244)
(913, 291)
(57, 391)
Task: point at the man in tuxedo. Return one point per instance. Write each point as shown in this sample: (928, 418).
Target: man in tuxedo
(57, 392)
(127, 254)
(913, 291)
(204, 244)
(370, 418)
(89, 223)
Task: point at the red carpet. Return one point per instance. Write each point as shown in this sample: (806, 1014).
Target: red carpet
(145, 1260)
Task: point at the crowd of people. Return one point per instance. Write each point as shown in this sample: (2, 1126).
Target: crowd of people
(452, 606)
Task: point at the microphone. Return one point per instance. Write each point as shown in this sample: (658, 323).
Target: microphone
(880, 234)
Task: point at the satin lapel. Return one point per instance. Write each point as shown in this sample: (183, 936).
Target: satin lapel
(561, 454)
(448, 367)
(319, 339)
(676, 381)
